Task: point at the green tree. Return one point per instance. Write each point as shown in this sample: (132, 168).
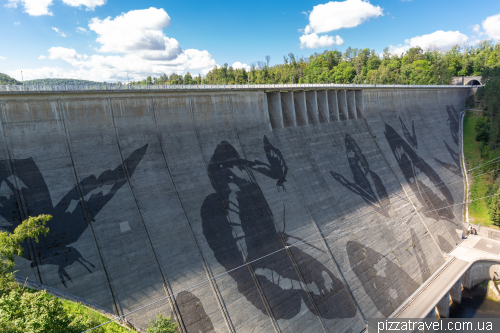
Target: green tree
(494, 209)
(162, 324)
(187, 78)
(11, 244)
(22, 312)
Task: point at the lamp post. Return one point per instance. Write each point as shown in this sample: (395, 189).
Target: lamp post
(22, 78)
(128, 79)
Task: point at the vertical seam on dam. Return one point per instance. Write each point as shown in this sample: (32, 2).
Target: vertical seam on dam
(205, 265)
(172, 299)
(406, 193)
(18, 193)
(274, 222)
(397, 215)
(245, 255)
(86, 209)
(220, 300)
(445, 183)
(127, 175)
(440, 221)
(320, 234)
(292, 259)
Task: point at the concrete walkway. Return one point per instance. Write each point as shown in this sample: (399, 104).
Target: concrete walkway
(436, 287)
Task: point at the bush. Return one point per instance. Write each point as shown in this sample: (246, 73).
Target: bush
(11, 245)
(494, 210)
(25, 312)
(33, 311)
(162, 324)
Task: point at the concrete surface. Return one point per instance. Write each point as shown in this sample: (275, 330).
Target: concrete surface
(170, 193)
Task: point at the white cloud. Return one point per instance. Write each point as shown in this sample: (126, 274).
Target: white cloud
(440, 39)
(137, 31)
(337, 15)
(443, 40)
(17, 23)
(313, 41)
(240, 65)
(32, 7)
(59, 32)
(95, 74)
(81, 30)
(115, 68)
(90, 4)
(2, 58)
(398, 49)
(41, 57)
(11, 4)
(491, 26)
(41, 7)
(140, 48)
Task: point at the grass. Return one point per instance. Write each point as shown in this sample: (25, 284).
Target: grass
(471, 146)
(92, 318)
(479, 186)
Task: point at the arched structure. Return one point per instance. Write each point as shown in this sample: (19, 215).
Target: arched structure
(466, 80)
(473, 82)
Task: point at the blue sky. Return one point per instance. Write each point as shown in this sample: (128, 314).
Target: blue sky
(106, 39)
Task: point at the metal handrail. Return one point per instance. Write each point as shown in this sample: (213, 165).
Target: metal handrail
(160, 87)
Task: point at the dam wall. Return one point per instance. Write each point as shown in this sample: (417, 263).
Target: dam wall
(236, 211)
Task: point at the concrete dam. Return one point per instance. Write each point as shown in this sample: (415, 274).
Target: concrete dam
(236, 210)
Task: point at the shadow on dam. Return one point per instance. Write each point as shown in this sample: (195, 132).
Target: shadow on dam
(226, 220)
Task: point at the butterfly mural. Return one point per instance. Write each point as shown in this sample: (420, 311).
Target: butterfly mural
(23, 191)
(240, 228)
(367, 184)
(432, 193)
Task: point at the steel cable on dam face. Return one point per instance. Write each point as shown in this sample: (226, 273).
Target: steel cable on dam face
(295, 244)
(485, 163)
(269, 254)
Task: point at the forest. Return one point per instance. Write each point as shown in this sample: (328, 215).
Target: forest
(5, 79)
(482, 149)
(362, 66)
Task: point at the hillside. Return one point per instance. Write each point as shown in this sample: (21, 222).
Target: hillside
(5, 79)
(482, 149)
(62, 81)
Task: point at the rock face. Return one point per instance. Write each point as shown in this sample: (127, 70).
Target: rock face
(301, 212)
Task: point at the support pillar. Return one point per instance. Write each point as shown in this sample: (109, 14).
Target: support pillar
(360, 108)
(342, 104)
(456, 292)
(351, 104)
(299, 99)
(274, 109)
(333, 105)
(323, 109)
(312, 107)
(443, 306)
(288, 109)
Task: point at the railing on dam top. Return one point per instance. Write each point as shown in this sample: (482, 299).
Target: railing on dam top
(154, 87)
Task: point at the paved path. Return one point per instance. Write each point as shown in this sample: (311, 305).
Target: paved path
(427, 296)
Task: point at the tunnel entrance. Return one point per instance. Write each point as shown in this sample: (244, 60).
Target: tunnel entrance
(473, 83)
